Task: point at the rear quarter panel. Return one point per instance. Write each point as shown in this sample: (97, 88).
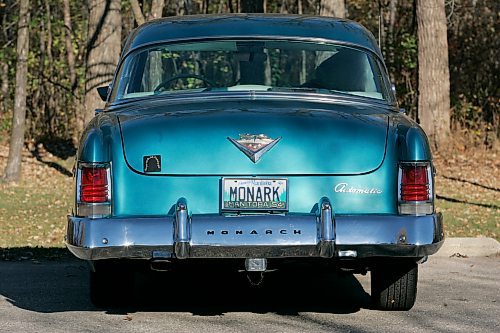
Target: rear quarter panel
(155, 195)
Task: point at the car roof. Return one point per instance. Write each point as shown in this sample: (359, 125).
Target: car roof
(188, 27)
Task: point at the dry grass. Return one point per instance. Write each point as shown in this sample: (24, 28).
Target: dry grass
(33, 212)
(468, 192)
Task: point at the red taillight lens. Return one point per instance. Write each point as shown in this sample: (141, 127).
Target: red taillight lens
(94, 185)
(414, 183)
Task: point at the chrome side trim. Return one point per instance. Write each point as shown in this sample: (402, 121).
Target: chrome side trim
(94, 210)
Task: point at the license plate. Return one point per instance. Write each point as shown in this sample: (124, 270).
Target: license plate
(254, 194)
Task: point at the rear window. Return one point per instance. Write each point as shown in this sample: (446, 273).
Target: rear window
(236, 65)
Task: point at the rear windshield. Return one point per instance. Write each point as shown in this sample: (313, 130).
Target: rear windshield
(238, 65)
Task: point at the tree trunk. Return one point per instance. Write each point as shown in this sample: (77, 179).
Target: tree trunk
(184, 7)
(70, 53)
(13, 168)
(103, 50)
(156, 9)
(137, 11)
(4, 89)
(70, 58)
(393, 8)
(433, 71)
(335, 8)
(50, 110)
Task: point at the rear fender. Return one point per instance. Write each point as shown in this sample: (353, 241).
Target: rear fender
(99, 139)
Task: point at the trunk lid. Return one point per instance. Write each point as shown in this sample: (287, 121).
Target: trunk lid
(315, 139)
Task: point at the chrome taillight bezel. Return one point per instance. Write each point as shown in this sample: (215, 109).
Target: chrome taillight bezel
(421, 207)
(98, 209)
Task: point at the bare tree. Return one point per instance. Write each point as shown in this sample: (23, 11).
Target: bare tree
(103, 50)
(433, 71)
(183, 7)
(389, 56)
(141, 15)
(335, 8)
(4, 88)
(13, 168)
(70, 53)
(156, 9)
(137, 11)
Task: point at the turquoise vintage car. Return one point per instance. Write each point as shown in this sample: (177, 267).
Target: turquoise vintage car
(255, 138)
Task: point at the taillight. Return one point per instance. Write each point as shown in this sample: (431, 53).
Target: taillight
(93, 193)
(94, 185)
(415, 188)
(414, 183)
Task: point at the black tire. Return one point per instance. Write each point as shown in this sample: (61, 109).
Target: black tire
(111, 284)
(394, 286)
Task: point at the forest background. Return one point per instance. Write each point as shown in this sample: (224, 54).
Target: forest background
(63, 66)
(59, 52)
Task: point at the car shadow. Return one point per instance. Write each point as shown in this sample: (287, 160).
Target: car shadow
(49, 286)
(282, 292)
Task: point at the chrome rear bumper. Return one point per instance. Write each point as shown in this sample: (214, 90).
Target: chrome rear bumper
(255, 236)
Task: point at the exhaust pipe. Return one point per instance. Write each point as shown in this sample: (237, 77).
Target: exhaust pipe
(161, 265)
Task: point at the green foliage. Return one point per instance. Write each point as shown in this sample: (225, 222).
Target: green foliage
(5, 125)
(408, 51)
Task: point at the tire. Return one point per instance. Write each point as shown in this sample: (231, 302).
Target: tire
(394, 286)
(110, 284)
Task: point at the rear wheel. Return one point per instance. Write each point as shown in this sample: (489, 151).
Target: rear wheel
(394, 285)
(111, 284)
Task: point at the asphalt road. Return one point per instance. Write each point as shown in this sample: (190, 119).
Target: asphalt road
(455, 295)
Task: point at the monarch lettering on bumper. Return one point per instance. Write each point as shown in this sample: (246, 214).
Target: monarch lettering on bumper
(255, 232)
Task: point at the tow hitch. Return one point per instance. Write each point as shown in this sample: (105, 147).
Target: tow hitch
(255, 268)
(255, 264)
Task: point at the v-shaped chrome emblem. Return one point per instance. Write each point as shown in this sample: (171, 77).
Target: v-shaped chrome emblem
(254, 145)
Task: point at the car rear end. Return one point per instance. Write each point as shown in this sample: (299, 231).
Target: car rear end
(226, 152)
(167, 193)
